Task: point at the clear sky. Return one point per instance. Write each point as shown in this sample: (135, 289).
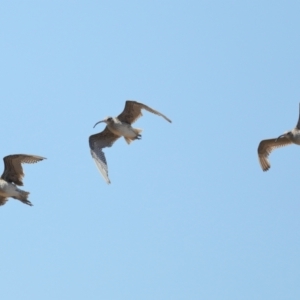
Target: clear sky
(189, 213)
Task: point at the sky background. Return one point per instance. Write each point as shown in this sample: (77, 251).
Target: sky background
(189, 213)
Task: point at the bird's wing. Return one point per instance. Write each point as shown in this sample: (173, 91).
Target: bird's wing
(133, 110)
(97, 142)
(266, 147)
(13, 171)
(3, 200)
(298, 124)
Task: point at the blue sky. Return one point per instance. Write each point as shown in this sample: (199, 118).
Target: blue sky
(189, 213)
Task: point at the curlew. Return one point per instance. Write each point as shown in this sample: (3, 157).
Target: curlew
(13, 175)
(115, 128)
(267, 146)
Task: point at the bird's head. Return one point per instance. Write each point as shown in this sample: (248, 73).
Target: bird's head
(107, 120)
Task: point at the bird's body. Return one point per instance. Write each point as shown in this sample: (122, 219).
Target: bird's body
(295, 136)
(10, 190)
(117, 127)
(13, 175)
(267, 146)
(123, 129)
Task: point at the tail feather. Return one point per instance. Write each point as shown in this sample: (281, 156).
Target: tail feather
(128, 140)
(22, 196)
(137, 130)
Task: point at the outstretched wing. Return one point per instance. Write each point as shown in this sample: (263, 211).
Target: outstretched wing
(133, 110)
(97, 142)
(13, 171)
(266, 147)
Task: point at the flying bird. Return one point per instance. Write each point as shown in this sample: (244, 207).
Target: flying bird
(267, 146)
(13, 175)
(115, 128)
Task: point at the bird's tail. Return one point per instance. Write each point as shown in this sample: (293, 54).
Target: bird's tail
(137, 130)
(138, 136)
(22, 196)
(128, 140)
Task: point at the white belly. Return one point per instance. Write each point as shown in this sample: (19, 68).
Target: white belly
(7, 189)
(123, 130)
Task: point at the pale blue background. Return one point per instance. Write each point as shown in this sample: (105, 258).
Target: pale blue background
(189, 213)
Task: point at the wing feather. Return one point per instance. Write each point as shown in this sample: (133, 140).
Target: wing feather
(266, 147)
(3, 200)
(133, 110)
(97, 142)
(13, 171)
(298, 123)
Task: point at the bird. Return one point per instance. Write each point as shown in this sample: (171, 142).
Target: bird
(13, 176)
(267, 146)
(115, 128)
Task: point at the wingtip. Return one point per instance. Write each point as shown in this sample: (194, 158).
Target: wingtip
(41, 158)
(298, 123)
(166, 118)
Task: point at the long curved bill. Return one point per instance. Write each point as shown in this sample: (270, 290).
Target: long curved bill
(283, 135)
(98, 123)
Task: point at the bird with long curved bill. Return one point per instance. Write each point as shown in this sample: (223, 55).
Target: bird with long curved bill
(116, 128)
(267, 146)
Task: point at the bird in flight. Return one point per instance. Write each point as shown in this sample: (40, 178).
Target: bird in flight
(115, 128)
(13, 176)
(267, 146)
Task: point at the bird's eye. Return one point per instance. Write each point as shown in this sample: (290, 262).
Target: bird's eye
(109, 119)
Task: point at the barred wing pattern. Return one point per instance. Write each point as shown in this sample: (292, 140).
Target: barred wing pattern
(133, 110)
(266, 147)
(97, 142)
(13, 171)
